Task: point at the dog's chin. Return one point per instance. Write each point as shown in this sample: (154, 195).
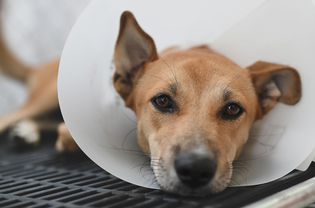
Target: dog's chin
(180, 189)
(169, 182)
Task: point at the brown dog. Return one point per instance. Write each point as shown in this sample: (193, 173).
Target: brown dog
(194, 107)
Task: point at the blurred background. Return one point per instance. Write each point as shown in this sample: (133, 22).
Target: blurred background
(35, 30)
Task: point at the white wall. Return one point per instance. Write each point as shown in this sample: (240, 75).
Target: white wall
(35, 30)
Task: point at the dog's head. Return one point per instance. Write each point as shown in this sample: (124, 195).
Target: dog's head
(194, 107)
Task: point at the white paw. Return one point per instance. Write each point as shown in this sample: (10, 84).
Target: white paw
(60, 146)
(27, 132)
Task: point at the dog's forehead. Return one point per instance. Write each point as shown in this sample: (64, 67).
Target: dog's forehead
(199, 71)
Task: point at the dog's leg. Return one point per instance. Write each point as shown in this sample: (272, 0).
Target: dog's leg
(65, 142)
(42, 98)
(27, 133)
(11, 119)
(30, 110)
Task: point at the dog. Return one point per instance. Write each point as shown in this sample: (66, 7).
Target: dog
(41, 111)
(194, 106)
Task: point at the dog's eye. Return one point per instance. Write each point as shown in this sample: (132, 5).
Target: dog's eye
(164, 103)
(231, 111)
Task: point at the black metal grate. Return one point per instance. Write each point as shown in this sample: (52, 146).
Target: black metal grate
(41, 178)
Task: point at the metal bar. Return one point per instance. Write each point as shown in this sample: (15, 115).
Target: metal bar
(297, 196)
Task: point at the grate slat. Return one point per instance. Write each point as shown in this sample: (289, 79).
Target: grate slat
(92, 181)
(26, 173)
(127, 203)
(13, 184)
(5, 182)
(92, 199)
(9, 203)
(109, 201)
(77, 196)
(39, 174)
(51, 176)
(64, 178)
(76, 180)
(33, 190)
(21, 205)
(149, 203)
(47, 193)
(42, 206)
(19, 188)
(59, 195)
(10, 170)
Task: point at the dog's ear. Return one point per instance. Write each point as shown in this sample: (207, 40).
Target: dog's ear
(134, 48)
(275, 83)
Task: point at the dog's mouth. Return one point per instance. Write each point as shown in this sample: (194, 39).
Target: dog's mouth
(190, 175)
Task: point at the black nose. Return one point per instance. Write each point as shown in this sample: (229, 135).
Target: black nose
(195, 169)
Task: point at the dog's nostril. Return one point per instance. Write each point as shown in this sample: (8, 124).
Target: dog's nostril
(195, 169)
(204, 176)
(184, 173)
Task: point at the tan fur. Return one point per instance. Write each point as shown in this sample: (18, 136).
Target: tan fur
(201, 82)
(65, 142)
(42, 84)
(10, 65)
(200, 97)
